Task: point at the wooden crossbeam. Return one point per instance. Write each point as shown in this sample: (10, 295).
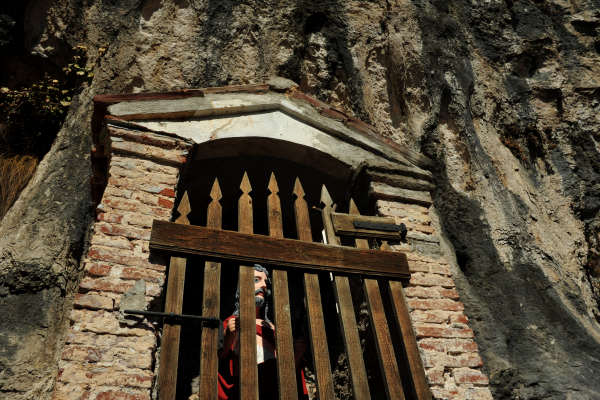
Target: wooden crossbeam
(249, 248)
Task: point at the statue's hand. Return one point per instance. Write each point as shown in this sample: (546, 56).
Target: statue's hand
(232, 325)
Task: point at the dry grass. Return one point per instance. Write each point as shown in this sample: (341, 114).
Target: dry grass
(15, 172)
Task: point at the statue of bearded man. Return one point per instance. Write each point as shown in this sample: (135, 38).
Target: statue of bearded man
(265, 346)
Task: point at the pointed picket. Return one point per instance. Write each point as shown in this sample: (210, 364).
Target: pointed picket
(169, 359)
(209, 361)
(316, 322)
(284, 342)
(247, 334)
(347, 319)
(380, 327)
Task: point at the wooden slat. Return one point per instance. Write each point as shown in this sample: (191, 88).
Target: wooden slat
(209, 361)
(344, 226)
(284, 342)
(247, 334)
(381, 331)
(167, 378)
(282, 252)
(349, 328)
(402, 318)
(316, 323)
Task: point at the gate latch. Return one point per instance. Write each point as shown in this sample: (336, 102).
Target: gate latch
(177, 318)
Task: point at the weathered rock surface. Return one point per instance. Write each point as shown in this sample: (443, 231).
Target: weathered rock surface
(504, 95)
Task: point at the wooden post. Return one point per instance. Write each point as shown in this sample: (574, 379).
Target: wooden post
(316, 323)
(358, 372)
(169, 358)
(209, 362)
(247, 334)
(410, 341)
(284, 342)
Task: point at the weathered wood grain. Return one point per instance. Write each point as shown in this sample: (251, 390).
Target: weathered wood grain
(167, 378)
(316, 323)
(209, 362)
(247, 333)
(347, 319)
(284, 342)
(402, 318)
(381, 332)
(282, 252)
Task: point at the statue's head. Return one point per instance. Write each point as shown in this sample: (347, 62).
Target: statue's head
(262, 292)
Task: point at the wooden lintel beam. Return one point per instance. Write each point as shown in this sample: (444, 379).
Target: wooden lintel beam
(252, 248)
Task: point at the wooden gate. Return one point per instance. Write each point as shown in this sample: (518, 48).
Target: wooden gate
(372, 267)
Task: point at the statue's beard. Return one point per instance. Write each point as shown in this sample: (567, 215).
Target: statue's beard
(259, 300)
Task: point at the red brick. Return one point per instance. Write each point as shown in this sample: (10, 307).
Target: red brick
(146, 198)
(447, 394)
(415, 266)
(118, 395)
(449, 294)
(136, 206)
(168, 192)
(93, 301)
(97, 269)
(435, 375)
(165, 203)
(142, 273)
(106, 284)
(80, 353)
(435, 304)
(442, 332)
(468, 375)
(464, 360)
(110, 217)
(432, 292)
(430, 316)
(116, 241)
(450, 346)
(122, 257)
(442, 269)
(425, 279)
(177, 157)
(460, 318)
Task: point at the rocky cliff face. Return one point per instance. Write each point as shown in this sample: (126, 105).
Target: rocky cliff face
(503, 95)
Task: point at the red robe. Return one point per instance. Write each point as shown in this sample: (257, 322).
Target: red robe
(267, 371)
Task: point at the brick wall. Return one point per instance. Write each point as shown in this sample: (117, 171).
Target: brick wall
(107, 356)
(446, 343)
